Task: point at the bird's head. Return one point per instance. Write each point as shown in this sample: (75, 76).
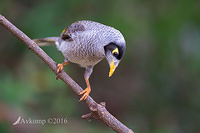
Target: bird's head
(114, 53)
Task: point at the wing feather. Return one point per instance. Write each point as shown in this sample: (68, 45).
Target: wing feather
(46, 41)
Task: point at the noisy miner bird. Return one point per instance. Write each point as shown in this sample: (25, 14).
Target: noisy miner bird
(86, 43)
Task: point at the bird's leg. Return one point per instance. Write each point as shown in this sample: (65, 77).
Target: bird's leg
(87, 91)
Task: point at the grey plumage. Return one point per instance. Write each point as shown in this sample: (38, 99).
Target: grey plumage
(87, 42)
(87, 47)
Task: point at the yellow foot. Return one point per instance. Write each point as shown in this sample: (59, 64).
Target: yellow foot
(86, 92)
(60, 67)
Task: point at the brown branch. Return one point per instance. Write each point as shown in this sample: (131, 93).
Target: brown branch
(98, 111)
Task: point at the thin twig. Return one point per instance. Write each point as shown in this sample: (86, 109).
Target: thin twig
(98, 111)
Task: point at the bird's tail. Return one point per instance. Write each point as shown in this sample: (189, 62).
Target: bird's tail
(46, 41)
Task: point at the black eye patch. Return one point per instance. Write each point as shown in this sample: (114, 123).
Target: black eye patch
(112, 46)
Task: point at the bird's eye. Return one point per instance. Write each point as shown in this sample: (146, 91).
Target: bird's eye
(115, 52)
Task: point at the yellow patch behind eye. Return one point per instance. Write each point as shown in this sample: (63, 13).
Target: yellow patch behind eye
(115, 50)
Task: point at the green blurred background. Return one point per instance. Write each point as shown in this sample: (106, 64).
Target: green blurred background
(155, 89)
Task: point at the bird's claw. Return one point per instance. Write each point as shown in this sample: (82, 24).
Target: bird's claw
(85, 93)
(60, 67)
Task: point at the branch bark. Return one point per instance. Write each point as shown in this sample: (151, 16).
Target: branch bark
(98, 111)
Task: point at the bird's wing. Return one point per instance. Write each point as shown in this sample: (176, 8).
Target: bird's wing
(69, 33)
(46, 41)
(75, 27)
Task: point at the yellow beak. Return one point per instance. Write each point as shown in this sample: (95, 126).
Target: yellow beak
(112, 68)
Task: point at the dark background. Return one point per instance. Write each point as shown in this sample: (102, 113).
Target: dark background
(155, 89)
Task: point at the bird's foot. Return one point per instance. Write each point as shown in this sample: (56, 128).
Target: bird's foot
(85, 93)
(60, 67)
